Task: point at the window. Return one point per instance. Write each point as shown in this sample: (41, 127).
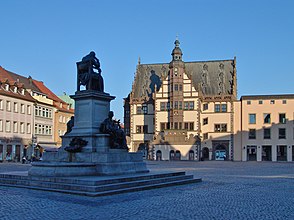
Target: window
(180, 105)
(224, 107)
(282, 133)
(141, 129)
(186, 126)
(162, 126)
(260, 102)
(176, 105)
(8, 126)
(205, 121)
(220, 127)
(167, 106)
(139, 110)
(282, 118)
(180, 125)
(252, 118)
(15, 127)
(217, 108)
(191, 127)
(191, 105)
(60, 118)
(267, 133)
(6, 87)
(186, 105)
(15, 107)
(8, 106)
(127, 114)
(176, 87)
(22, 128)
(22, 108)
(162, 106)
(205, 136)
(176, 125)
(1, 125)
(180, 87)
(145, 109)
(248, 102)
(205, 106)
(284, 101)
(266, 118)
(252, 134)
(272, 102)
(28, 128)
(1, 104)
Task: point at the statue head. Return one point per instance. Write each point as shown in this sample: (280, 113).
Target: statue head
(110, 114)
(92, 54)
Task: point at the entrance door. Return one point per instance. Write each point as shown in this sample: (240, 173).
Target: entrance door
(205, 153)
(17, 153)
(267, 153)
(251, 153)
(220, 155)
(178, 155)
(282, 153)
(191, 155)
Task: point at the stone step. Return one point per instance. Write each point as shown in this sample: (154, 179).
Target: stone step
(99, 188)
(102, 187)
(111, 192)
(90, 182)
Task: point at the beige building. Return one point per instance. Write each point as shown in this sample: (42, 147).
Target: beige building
(267, 128)
(189, 111)
(16, 120)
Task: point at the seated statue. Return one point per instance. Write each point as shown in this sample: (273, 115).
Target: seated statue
(117, 135)
(86, 74)
(69, 125)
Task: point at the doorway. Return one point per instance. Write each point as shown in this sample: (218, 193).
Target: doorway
(282, 153)
(158, 155)
(191, 155)
(251, 153)
(267, 153)
(205, 153)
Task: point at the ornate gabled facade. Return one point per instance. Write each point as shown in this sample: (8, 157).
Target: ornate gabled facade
(168, 109)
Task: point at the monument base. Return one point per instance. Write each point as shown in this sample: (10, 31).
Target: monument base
(112, 162)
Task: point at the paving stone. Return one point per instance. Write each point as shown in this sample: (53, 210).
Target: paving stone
(230, 190)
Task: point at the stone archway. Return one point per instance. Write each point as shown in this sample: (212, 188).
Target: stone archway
(172, 155)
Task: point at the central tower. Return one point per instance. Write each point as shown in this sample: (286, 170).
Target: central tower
(176, 73)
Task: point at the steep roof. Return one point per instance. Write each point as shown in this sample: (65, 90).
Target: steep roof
(210, 77)
(40, 85)
(27, 81)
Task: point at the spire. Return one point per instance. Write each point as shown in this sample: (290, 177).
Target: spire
(177, 52)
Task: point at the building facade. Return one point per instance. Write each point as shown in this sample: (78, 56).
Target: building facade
(190, 111)
(32, 118)
(16, 120)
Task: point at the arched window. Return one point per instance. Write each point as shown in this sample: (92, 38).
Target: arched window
(158, 155)
(178, 155)
(172, 155)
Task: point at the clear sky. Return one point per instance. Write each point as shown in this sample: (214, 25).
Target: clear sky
(45, 39)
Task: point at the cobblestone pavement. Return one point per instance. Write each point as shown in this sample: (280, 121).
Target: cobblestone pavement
(230, 190)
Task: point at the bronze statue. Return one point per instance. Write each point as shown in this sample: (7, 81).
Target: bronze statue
(70, 125)
(86, 74)
(112, 127)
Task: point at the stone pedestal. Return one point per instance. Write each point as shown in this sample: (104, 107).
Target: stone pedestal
(97, 157)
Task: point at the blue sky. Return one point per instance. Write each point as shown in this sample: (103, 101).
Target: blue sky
(45, 39)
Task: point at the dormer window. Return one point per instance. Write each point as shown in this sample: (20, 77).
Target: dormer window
(15, 89)
(60, 105)
(22, 91)
(6, 87)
